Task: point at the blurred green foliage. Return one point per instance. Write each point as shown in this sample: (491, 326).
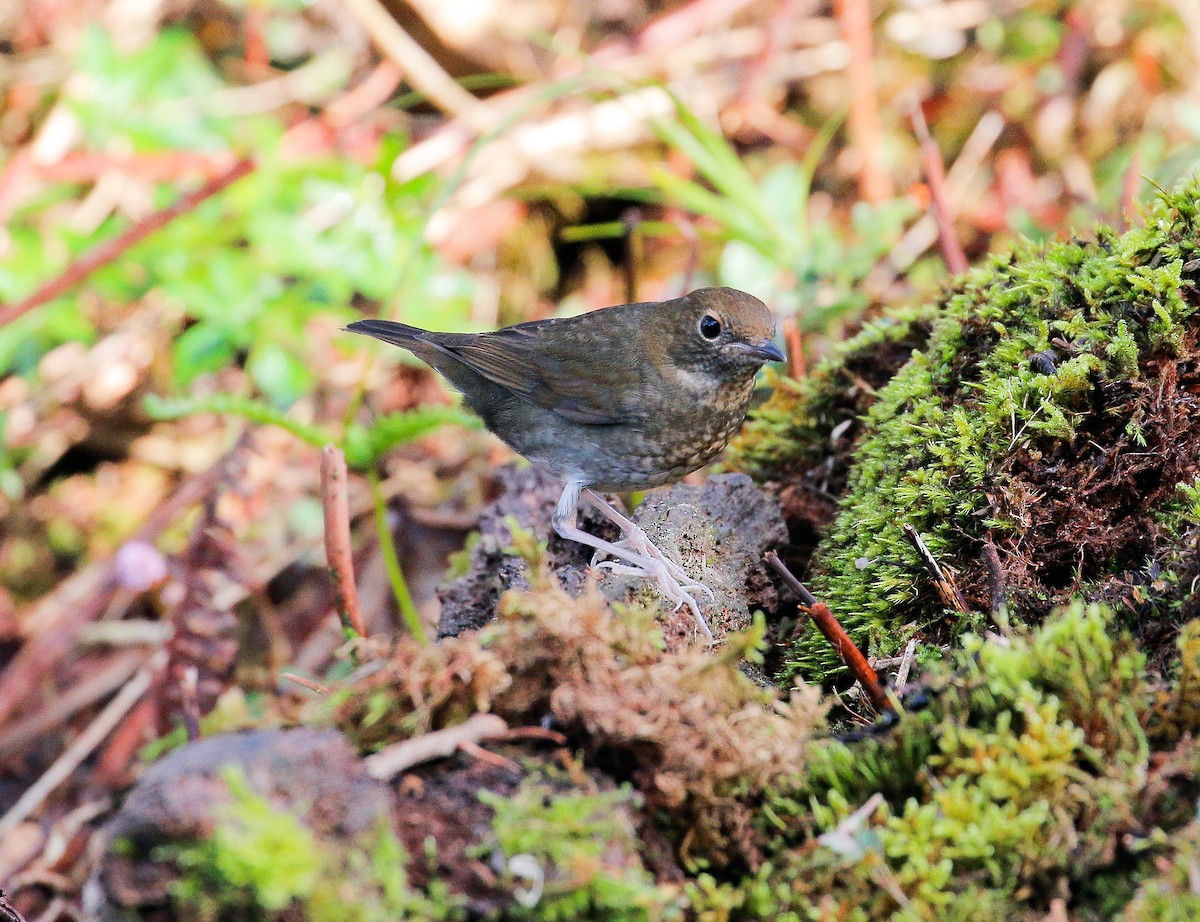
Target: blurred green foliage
(250, 269)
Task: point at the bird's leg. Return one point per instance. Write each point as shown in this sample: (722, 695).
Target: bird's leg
(639, 542)
(635, 564)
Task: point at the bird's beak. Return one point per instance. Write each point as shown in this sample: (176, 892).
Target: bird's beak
(765, 351)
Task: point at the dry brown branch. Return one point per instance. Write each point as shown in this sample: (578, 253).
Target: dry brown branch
(110, 676)
(790, 579)
(392, 760)
(530, 733)
(874, 182)
(336, 503)
(906, 661)
(850, 655)
(935, 177)
(365, 98)
(56, 621)
(943, 579)
(422, 70)
(924, 232)
(190, 701)
(833, 631)
(305, 683)
(999, 591)
(477, 752)
(83, 746)
(104, 253)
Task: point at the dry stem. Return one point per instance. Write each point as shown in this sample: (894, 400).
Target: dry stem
(335, 502)
(104, 253)
(392, 760)
(833, 631)
(935, 177)
(943, 580)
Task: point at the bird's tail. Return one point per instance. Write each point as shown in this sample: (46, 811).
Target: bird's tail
(398, 334)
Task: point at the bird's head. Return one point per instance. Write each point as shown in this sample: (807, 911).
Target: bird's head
(723, 331)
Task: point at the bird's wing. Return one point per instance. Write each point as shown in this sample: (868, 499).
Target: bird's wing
(545, 364)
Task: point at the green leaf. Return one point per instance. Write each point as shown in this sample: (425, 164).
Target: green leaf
(163, 408)
(364, 445)
(199, 350)
(281, 376)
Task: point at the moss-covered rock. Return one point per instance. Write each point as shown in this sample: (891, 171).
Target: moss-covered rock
(1028, 778)
(1043, 438)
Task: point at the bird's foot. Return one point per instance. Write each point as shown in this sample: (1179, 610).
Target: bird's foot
(639, 543)
(676, 590)
(635, 553)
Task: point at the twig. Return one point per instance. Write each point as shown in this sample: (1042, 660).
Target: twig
(418, 65)
(57, 620)
(999, 592)
(789, 578)
(833, 631)
(874, 183)
(392, 760)
(634, 244)
(83, 746)
(336, 504)
(305, 683)
(924, 232)
(849, 654)
(112, 675)
(366, 97)
(935, 177)
(475, 751)
(190, 702)
(943, 581)
(530, 733)
(104, 253)
(794, 340)
(906, 661)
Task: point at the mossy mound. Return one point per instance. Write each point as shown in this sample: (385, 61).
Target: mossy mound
(1031, 778)
(1042, 770)
(1042, 435)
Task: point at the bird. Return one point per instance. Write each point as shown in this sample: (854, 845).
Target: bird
(620, 399)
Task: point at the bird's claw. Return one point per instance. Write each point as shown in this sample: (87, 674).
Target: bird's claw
(675, 590)
(646, 548)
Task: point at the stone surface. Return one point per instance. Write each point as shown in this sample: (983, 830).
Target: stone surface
(312, 773)
(717, 531)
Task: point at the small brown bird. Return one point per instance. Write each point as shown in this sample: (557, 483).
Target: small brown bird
(621, 399)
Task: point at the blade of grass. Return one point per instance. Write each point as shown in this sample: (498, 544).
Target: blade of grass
(391, 563)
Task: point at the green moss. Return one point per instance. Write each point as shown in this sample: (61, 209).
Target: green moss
(1019, 782)
(261, 862)
(572, 855)
(792, 429)
(960, 441)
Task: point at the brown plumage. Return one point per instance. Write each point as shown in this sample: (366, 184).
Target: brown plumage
(623, 398)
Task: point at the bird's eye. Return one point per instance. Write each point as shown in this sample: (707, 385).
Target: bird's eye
(710, 327)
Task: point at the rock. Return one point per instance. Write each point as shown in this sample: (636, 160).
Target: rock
(529, 496)
(718, 532)
(312, 773)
